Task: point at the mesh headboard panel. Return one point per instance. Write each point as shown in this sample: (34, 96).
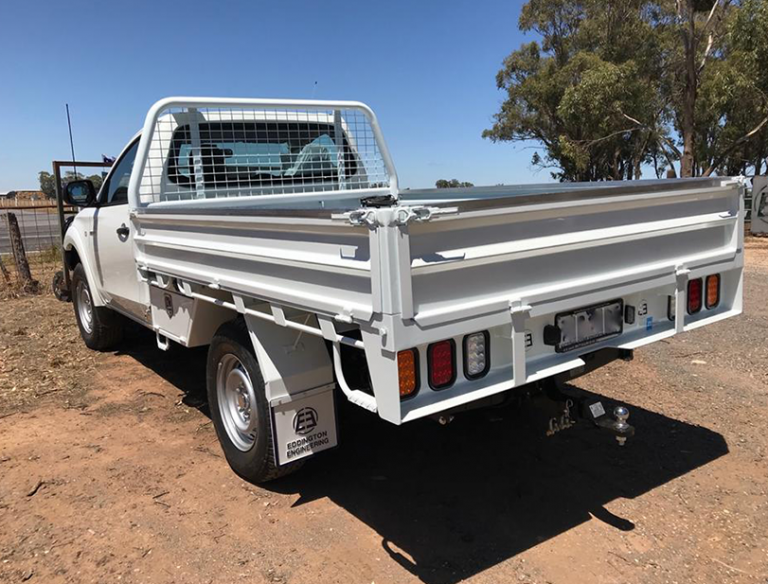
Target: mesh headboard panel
(193, 152)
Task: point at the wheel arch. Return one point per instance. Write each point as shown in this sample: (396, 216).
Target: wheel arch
(74, 253)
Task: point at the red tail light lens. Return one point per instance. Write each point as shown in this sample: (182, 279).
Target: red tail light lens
(442, 364)
(694, 295)
(713, 291)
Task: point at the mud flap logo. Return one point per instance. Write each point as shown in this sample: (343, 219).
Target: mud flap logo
(305, 421)
(304, 425)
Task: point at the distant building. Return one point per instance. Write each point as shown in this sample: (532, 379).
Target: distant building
(30, 195)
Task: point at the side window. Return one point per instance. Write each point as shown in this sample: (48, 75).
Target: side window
(115, 191)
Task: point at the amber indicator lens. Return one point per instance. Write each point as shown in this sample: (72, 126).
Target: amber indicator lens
(406, 370)
(713, 290)
(694, 296)
(441, 366)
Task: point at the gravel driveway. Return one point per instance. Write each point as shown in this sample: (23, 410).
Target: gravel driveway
(110, 471)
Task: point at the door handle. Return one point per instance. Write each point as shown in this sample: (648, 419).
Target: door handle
(123, 232)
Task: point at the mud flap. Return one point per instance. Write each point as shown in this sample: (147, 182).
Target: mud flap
(304, 424)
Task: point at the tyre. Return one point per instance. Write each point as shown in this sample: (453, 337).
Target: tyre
(58, 286)
(239, 408)
(100, 327)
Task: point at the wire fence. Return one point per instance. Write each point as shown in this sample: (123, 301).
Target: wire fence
(38, 223)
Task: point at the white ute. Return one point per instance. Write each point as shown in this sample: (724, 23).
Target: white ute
(274, 232)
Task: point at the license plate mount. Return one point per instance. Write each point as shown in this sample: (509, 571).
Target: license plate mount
(589, 325)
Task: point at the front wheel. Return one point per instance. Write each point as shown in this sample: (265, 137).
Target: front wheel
(239, 408)
(100, 327)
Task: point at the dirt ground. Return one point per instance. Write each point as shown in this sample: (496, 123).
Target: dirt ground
(110, 472)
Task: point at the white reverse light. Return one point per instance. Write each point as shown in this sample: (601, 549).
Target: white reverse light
(476, 354)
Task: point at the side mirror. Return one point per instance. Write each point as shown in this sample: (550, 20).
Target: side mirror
(80, 193)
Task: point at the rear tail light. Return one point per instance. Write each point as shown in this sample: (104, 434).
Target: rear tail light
(476, 355)
(407, 365)
(713, 291)
(442, 366)
(694, 295)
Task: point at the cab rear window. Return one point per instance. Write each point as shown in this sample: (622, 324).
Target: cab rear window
(259, 153)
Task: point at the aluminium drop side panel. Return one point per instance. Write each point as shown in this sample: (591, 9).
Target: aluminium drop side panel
(476, 261)
(318, 265)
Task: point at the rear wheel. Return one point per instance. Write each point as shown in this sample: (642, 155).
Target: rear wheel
(100, 327)
(239, 408)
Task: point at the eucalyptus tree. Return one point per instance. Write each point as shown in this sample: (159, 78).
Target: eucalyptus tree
(611, 86)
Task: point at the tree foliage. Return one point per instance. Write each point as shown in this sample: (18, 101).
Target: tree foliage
(48, 181)
(452, 184)
(614, 85)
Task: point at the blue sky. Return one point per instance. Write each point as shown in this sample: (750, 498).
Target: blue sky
(427, 68)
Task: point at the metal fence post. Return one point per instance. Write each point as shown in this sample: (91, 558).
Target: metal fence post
(62, 219)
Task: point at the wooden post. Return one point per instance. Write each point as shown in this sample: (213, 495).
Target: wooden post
(6, 275)
(19, 255)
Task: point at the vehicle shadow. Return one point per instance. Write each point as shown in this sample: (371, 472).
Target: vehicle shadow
(450, 502)
(181, 367)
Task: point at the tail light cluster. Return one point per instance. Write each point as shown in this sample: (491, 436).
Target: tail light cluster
(701, 294)
(441, 363)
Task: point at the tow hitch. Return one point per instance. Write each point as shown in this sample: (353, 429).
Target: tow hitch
(581, 405)
(617, 424)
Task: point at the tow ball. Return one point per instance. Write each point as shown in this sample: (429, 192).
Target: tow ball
(616, 424)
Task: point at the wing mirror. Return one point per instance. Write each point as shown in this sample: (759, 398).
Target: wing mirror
(80, 193)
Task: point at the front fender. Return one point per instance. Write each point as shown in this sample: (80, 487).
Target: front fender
(74, 240)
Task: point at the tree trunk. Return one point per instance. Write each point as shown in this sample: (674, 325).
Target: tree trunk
(687, 128)
(717, 160)
(615, 170)
(671, 170)
(20, 256)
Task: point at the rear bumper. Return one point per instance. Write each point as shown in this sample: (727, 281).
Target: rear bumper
(518, 352)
